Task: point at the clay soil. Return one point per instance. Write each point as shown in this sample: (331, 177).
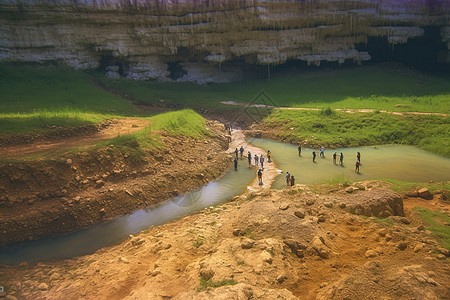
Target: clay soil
(357, 242)
(288, 244)
(73, 190)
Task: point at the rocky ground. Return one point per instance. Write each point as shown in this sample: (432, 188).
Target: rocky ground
(296, 243)
(70, 191)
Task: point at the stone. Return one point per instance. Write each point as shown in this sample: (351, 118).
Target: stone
(99, 183)
(420, 228)
(299, 214)
(412, 194)
(402, 246)
(342, 205)
(2, 294)
(310, 202)
(425, 194)
(371, 253)
(328, 204)
(444, 251)
(418, 248)
(124, 260)
(247, 244)
(282, 278)
(43, 286)
(284, 206)
(266, 257)
(207, 274)
(236, 232)
(321, 218)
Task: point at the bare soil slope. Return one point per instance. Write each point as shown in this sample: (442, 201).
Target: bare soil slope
(289, 244)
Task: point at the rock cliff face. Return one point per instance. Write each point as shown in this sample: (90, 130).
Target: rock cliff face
(213, 40)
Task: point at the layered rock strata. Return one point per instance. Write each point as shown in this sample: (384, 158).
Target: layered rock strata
(211, 40)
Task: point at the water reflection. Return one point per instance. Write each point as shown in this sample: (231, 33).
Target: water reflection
(111, 232)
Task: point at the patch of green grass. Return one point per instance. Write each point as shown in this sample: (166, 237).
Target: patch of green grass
(15, 123)
(435, 223)
(357, 129)
(404, 186)
(27, 88)
(382, 87)
(209, 283)
(185, 122)
(199, 242)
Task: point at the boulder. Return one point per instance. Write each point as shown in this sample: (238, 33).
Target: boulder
(247, 244)
(299, 214)
(425, 194)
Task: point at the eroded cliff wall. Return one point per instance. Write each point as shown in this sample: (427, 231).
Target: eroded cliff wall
(210, 40)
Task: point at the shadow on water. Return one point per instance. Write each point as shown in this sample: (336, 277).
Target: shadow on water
(111, 232)
(399, 162)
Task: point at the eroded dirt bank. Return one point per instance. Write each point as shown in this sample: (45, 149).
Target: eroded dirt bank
(41, 197)
(289, 244)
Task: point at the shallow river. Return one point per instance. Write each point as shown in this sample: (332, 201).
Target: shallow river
(111, 232)
(400, 162)
(394, 162)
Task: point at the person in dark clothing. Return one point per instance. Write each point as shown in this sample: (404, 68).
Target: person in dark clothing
(341, 159)
(260, 182)
(358, 157)
(249, 156)
(357, 166)
(299, 148)
(288, 178)
(292, 180)
(235, 163)
(314, 156)
(242, 151)
(236, 151)
(334, 157)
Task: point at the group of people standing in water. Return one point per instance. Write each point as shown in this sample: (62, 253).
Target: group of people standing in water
(335, 155)
(257, 159)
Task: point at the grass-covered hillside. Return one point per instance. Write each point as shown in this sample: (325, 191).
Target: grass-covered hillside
(36, 97)
(328, 127)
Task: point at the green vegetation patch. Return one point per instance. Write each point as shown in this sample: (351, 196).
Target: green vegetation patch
(209, 283)
(356, 129)
(27, 88)
(436, 223)
(381, 87)
(16, 123)
(403, 187)
(185, 122)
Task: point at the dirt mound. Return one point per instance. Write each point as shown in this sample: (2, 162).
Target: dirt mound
(63, 194)
(263, 245)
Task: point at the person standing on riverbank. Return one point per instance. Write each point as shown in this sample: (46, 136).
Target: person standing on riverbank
(256, 160)
(268, 156)
(235, 163)
(357, 166)
(314, 156)
(249, 156)
(288, 178)
(242, 151)
(260, 181)
(261, 160)
(334, 157)
(299, 148)
(341, 159)
(292, 181)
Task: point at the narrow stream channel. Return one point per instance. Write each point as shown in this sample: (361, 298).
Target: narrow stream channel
(398, 162)
(112, 232)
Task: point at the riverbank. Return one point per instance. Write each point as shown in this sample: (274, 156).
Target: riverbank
(43, 197)
(338, 129)
(295, 243)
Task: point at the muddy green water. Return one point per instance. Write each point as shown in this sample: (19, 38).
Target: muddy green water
(399, 162)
